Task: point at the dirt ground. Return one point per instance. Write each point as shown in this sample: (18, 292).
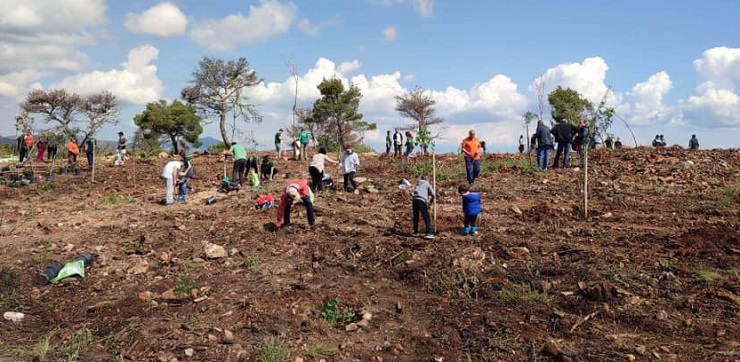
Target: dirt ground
(653, 273)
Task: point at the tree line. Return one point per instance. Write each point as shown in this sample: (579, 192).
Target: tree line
(216, 94)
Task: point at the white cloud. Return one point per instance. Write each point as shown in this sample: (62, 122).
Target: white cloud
(165, 20)
(643, 105)
(24, 17)
(349, 67)
(424, 7)
(136, 82)
(715, 102)
(588, 78)
(269, 19)
(308, 28)
(390, 33)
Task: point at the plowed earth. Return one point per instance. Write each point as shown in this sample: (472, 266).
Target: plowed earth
(653, 272)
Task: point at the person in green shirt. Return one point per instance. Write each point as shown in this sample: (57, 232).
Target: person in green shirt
(90, 151)
(267, 169)
(240, 162)
(304, 137)
(279, 144)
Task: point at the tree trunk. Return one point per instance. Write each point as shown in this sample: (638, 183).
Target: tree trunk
(222, 125)
(173, 139)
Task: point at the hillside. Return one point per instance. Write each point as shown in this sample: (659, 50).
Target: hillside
(652, 274)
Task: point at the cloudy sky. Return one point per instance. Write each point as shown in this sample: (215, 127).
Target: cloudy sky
(667, 68)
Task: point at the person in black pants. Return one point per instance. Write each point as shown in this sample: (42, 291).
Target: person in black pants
(423, 193)
(316, 169)
(563, 132)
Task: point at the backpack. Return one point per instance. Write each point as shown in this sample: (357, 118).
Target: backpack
(265, 202)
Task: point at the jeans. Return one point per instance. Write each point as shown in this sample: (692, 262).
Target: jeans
(183, 188)
(543, 157)
(419, 206)
(304, 151)
(349, 178)
(89, 158)
(397, 149)
(316, 177)
(564, 149)
(278, 151)
(472, 169)
(169, 185)
(309, 211)
(470, 220)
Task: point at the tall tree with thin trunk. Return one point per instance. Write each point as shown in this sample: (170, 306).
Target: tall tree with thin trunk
(217, 89)
(539, 86)
(337, 113)
(418, 105)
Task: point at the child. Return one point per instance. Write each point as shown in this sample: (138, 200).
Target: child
(423, 193)
(471, 210)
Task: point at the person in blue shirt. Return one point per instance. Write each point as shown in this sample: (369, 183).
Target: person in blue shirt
(471, 210)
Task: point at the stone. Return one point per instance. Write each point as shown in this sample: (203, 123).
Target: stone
(641, 350)
(214, 251)
(169, 294)
(471, 259)
(228, 337)
(351, 327)
(519, 252)
(363, 323)
(367, 316)
(516, 210)
(15, 317)
(233, 251)
(145, 297)
(189, 352)
(360, 180)
(140, 267)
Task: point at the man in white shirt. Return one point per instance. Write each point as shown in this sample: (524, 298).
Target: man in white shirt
(350, 161)
(170, 176)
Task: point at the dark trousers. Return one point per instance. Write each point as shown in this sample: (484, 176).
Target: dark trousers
(387, 149)
(397, 149)
(51, 152)
(316, 177)
(349, 178)
(563, 149)
(470, 220)
(24, 151)
(472, 169)
(309, 211)
(420, 207)
(240, 168)
(89, 158)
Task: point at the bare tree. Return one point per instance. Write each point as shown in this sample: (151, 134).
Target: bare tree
(217, 87)
(74, 113)
(418, 105)
(294, 72)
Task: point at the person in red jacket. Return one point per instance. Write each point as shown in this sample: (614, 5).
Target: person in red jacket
(295, 192)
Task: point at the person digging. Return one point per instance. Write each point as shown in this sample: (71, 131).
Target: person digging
(296, 192)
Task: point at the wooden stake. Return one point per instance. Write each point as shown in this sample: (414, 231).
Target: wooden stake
(585, 181)
(92, 171)
(434, 186)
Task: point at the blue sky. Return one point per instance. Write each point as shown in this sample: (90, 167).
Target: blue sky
(673, 67)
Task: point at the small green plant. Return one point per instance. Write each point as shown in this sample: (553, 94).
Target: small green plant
(333, 313)
(43, 346)
(318, 351)
(136, 248)
(275, 350)
(80, 341)
(250, 262)
(665, 264)
(183, 287)
(523, 294)
(115, 200)
(708, 275)
(730, 197)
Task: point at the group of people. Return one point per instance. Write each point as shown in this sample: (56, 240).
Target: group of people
(300, 144)
(43, 146)
(566, 136)
(396, 141)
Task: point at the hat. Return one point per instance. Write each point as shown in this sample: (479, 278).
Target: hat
(120, 133)
(293, 193)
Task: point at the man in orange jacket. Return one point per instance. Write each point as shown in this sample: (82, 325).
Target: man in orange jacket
(295, 192)
(72, 151)
(471, 147)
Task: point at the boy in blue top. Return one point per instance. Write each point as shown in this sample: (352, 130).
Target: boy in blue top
(471, 210)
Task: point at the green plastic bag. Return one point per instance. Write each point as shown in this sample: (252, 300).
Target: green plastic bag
(312, 197)
(72, 268)
(255, 180)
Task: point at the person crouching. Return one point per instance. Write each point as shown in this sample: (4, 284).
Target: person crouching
(296, 192)
(471, 210)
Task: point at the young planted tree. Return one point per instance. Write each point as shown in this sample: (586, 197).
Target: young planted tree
(176, 122)
(418, 105)
(73, 113)
(336, 113)
(216, 91)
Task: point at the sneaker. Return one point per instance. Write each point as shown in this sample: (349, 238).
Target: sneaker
(429, 236)
(357, 192)
(474, 230)
(465, 231)
(415, 234)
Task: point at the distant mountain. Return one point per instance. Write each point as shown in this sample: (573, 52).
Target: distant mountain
(208, 142)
